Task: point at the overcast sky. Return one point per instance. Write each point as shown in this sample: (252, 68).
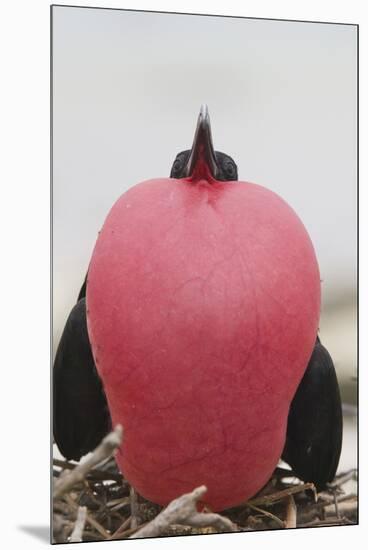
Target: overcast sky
(127, 89)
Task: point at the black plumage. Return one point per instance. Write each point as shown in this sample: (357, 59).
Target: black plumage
(227, 170)
(314, 430)
(82, 292)
(80, 413)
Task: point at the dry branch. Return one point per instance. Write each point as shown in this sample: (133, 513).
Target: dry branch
(77, 533)
(343, 478)
(93, 522)
(107, 496)
(276, 519)
(183, 510)
(106, 448)
(133, 508)
(345, 508)
(97, 474)
(290, 520)
(279, 495)
(121, 529)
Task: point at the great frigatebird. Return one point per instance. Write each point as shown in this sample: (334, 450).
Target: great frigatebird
(80, 412)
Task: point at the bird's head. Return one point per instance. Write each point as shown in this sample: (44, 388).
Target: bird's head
(202, 161)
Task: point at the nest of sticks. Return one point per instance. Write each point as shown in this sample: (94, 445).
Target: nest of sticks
(92, 501)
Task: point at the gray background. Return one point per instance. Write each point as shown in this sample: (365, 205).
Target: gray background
(127, 87)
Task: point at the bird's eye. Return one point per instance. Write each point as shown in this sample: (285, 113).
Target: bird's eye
(230, 169)
(177, 167)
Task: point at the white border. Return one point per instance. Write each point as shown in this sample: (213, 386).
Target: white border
(25, 331)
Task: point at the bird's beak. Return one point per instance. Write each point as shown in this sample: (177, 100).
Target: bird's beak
(202, 158)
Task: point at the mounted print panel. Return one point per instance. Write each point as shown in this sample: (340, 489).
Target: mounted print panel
(204, 177)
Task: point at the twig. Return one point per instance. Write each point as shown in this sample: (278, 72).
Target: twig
(120, 529)
(100, 475)
(268, 514)
(133, 508)
(77, 533)
(63, 464)
(130, 531)
(94, 523)
(59, 525)
(343, 478)
(99, 528)
(290, 520)
(117, 504)
(183, 511)
(345, 508)
(106, 448)
(336, 505)
(279, 495)
(326, 498)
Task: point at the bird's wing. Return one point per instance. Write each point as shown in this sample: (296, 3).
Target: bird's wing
(82, 292)
(314, 430)
(81, 416)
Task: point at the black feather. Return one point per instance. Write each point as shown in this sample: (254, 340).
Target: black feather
(82, 292)
(227, 169)
(314, 431)
(81, 416)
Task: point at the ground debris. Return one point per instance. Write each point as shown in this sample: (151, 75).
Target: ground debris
(113, 510)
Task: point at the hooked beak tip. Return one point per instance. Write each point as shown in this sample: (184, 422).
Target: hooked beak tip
(202, 153)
